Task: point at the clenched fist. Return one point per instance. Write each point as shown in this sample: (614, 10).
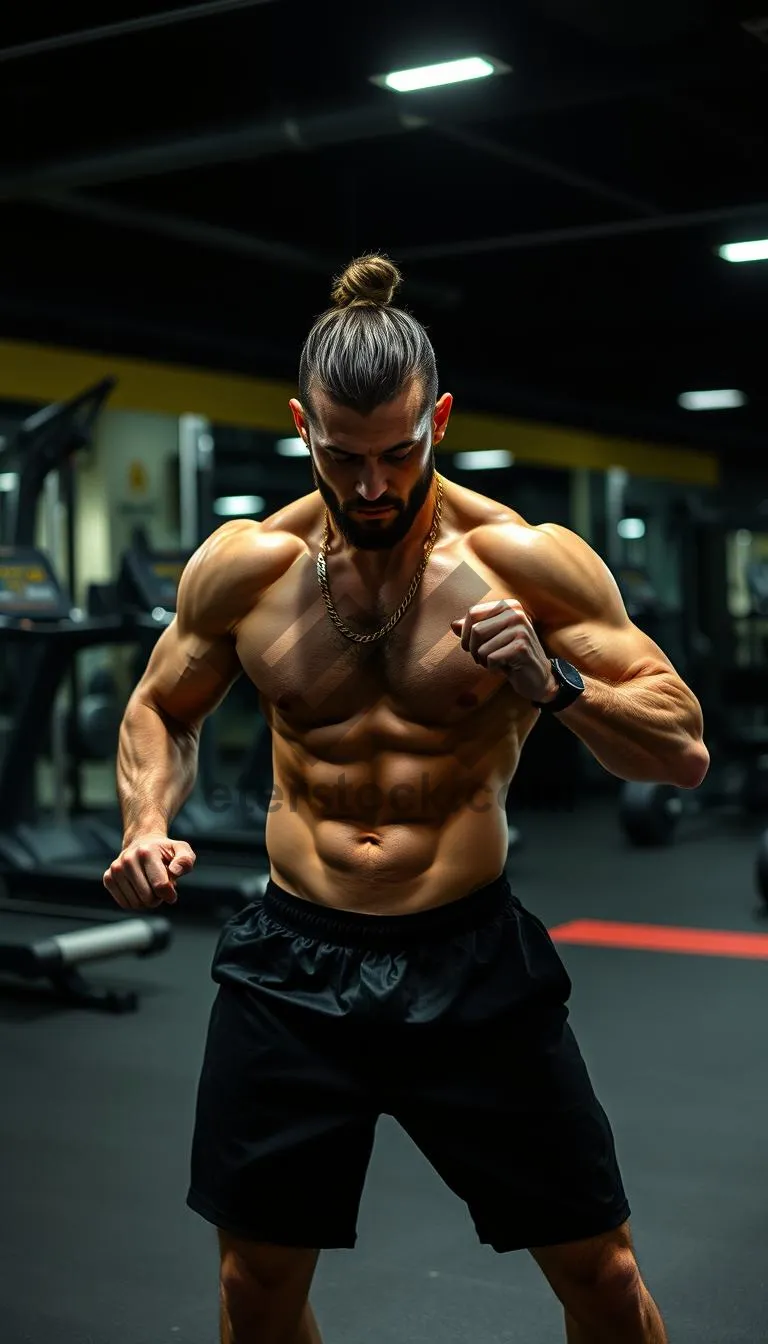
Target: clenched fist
(144, 874)
(500, 637)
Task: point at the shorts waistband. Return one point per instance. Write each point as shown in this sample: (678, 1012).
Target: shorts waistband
(351, 928)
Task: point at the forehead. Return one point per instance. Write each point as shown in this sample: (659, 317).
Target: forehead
(401, 419)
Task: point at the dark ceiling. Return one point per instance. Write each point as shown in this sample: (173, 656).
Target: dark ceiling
(185, 191)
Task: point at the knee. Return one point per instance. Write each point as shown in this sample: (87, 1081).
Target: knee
(611, 1285)
(244, 1295)
(238, 1278)
(248, 1303)
(262, 1297)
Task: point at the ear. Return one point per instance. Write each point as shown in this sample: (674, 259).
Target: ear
(299, 418)
(441, 417)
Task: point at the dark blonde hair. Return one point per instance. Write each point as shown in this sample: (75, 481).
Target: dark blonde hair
(362, 351)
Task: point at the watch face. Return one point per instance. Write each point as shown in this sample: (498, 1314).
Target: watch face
(568, 675)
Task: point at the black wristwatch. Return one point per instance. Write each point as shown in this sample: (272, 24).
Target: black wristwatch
(570, 683)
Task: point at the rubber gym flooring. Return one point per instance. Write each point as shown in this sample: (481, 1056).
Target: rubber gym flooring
(97, 1247)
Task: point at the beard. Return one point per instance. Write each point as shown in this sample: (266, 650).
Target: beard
(378, 534)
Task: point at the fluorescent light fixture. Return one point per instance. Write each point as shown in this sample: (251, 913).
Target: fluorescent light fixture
(714, 399)
(630, 529)
(235, 506)
(446, 72)
(292, 448)
(757, 250)
(8, 480)
(483, 460)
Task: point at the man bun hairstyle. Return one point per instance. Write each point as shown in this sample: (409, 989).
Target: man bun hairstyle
(367, 282)
(362, 352)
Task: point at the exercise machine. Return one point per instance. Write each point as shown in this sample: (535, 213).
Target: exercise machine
(62, 856)
(37, 942)
(52, 946)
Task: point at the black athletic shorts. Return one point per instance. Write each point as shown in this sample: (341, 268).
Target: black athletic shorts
(454, 1021)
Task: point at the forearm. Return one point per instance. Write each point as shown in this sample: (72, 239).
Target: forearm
(156, 769)
(649, 728)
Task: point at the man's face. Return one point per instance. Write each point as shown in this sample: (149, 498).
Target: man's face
(374, 472)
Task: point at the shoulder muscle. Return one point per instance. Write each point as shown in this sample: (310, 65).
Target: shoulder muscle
(554, 573)
(224, 578)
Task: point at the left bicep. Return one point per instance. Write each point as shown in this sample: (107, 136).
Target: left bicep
(581, 614)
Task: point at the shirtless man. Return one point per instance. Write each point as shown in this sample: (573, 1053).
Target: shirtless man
(405, 634)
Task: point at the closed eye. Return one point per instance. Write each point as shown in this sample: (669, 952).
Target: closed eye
(395, 455)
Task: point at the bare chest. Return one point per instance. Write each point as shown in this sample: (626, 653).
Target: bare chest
(418, 673)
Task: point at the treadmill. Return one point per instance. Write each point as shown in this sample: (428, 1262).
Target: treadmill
(39, 942)
(58, 857)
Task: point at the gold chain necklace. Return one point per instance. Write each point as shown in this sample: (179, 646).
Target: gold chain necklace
(322, 576)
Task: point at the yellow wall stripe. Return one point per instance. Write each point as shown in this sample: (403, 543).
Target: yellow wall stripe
(46, 373)
(30, 372)
(559, 446)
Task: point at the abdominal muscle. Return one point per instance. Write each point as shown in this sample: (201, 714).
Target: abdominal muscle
(392, 835)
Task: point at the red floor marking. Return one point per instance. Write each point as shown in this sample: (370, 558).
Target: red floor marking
(662, 938)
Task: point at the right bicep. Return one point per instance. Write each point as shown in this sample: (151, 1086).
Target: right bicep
(188, 674)
(195, 662)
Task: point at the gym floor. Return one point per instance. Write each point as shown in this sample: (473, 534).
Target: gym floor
(97, 1247)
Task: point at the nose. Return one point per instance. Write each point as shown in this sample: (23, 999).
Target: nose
(372, 483)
